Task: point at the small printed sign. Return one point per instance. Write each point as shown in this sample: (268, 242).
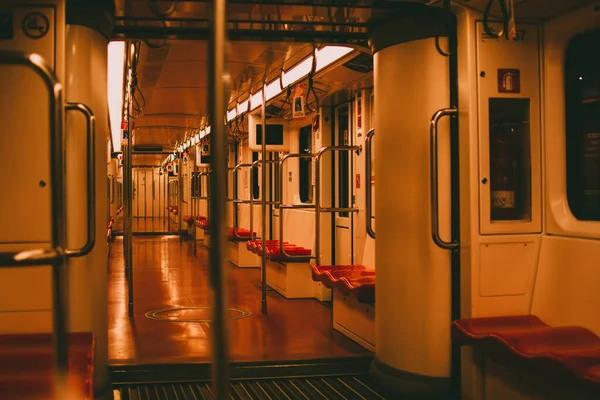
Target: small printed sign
(36, 25)
(509, 80)
(358, 181)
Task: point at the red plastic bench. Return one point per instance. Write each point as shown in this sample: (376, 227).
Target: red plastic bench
(274, 254)
(353, 280)
(243, 233)
(202, 224)
(26, 364)
(568, 354)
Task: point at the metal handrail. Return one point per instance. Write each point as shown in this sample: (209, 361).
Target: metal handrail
(112, 185)
(291, 206)
(318, 208)
(183, 192)
(241, 201)
(91, 183)
(433, 153)
(55, 256)
(368, 188)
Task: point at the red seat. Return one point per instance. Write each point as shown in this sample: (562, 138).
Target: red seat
(201, 218)
(569, 354)
(243, 233)
(255, 246)
(202, 224)
(275, 254)
(26, 363)
(188, 218)
(353, 280)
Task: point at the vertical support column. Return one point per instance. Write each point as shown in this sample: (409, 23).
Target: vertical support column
(263, 202)
(128, 185)
(217, 268)
(412, 329)
(87, 39)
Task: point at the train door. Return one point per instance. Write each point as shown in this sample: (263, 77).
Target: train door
(343, 169)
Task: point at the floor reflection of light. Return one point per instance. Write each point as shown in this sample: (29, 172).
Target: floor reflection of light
(121, 337)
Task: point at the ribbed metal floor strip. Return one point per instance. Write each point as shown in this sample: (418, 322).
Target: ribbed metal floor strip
(356, 387)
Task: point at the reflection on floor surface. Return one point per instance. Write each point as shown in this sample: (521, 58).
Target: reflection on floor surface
(167, 275)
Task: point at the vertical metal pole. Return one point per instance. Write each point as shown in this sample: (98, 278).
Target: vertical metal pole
(217, 267)
(129, 209)
(317, 209)
(263, 200)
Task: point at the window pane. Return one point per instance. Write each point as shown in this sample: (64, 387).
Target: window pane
(343, 170)
(305, 164)
(583, 126)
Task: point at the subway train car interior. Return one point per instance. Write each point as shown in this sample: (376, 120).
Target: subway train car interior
(293, 199)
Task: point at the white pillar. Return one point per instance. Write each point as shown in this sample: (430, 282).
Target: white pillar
(86, 82)
(413, 275)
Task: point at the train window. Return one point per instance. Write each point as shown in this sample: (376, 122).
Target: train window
(255, 186)
(510, 159)
(343, 167)
(583, 127)
(305, 136)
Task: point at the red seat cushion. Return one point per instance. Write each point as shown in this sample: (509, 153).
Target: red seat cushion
(353, 280)
(202, 224)
(329, 274)
(241, 232)
(26, 363)
(255, 246)
(567, 353)
(275, 254)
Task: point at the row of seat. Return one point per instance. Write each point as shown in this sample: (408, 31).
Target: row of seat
(355, 280)
(26, 366)
(570, 355)
(293, 253)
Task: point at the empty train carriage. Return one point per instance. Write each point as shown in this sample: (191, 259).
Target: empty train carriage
(189, 205)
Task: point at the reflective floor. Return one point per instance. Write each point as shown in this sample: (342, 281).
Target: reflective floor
(147, 225)
(167, 274)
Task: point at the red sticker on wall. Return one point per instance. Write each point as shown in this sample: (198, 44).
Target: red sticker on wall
(509, 80)
(358, 181)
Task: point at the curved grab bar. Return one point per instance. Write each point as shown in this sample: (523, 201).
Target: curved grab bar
(290, 206)
(91, 184)
(111, 195)
(240, 201)
(368, 188)
(318, 207)
(183, 191)
(55, 255)
(433, 152)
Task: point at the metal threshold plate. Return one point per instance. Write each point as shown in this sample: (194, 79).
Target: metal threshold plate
(192, 314)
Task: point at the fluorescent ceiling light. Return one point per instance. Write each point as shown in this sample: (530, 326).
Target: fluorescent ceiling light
(243, 106)
(256, 100)
(208, 130)
(273, 89)
(297, 72)
(329, 54)
(325, 56)
(116, 63)
(231, 114)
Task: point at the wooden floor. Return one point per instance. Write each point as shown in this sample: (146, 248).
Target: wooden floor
(168, 274)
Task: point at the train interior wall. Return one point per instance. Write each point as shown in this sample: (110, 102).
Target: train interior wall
(541, 261)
